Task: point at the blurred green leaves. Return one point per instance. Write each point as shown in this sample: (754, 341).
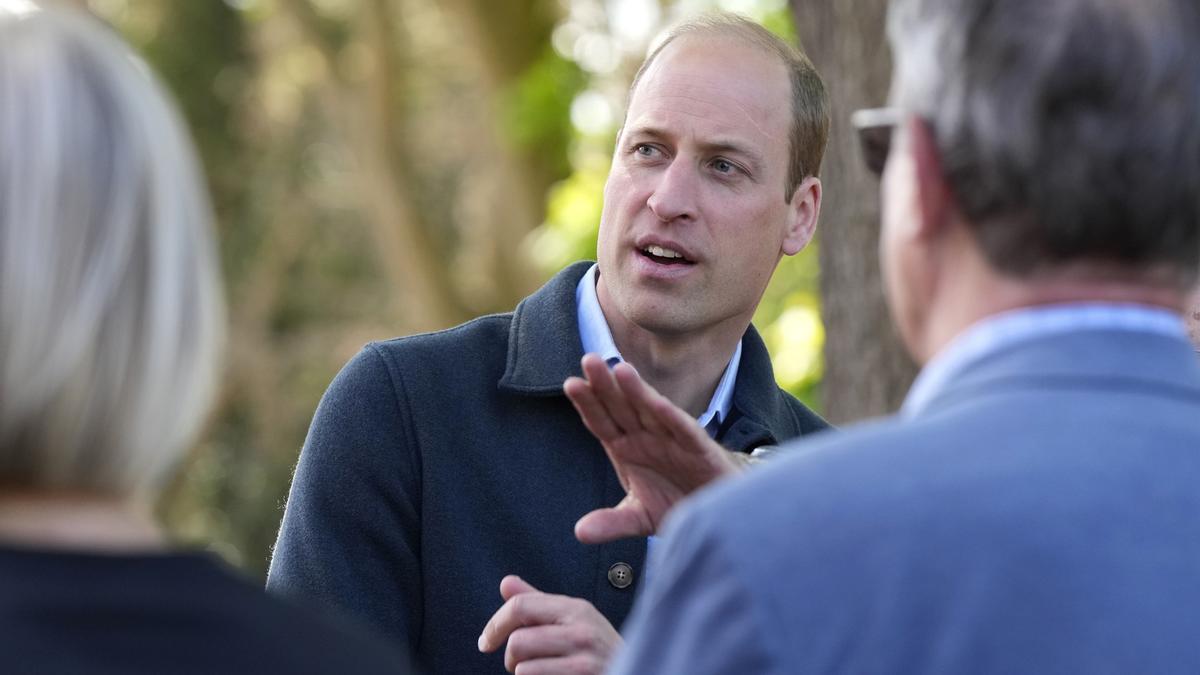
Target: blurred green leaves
(536, 110)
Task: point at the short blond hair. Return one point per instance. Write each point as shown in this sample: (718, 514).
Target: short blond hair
(111, 313)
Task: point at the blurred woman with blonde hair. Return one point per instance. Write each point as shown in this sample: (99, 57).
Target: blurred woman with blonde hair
(111, 321)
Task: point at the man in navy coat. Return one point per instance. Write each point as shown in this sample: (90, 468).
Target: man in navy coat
(439, 464)
(1035, 505)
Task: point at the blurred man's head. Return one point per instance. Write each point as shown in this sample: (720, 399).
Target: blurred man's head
(713, 177)
(1062, 136)
(110, 307)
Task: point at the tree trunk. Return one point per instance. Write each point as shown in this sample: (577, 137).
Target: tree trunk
(867, 371)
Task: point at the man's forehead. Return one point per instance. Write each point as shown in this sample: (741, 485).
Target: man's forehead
(719, 60)
(732, 126)
(685, 85)
(725, 81)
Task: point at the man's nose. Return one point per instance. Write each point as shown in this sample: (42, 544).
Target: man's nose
(674, 197)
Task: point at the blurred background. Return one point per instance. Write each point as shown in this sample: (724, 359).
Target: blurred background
(384, 167)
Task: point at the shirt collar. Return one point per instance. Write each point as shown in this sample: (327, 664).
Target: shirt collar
(1006, 329)
(597, 339)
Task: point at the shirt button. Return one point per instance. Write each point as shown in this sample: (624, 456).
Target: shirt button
(620, 575)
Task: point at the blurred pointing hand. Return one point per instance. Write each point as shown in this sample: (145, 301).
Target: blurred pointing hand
(548, 633)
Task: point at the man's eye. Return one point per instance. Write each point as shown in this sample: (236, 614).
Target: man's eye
(645, 150)
(723, 166)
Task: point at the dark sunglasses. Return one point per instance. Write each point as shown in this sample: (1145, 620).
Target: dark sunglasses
(874, 127)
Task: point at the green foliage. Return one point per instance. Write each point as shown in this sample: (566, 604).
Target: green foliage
(536, 110)
(779, 22)
(206, 73)
(789, 318)
(572, 220)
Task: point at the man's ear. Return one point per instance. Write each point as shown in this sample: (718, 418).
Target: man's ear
(802, 215)
(934, 199)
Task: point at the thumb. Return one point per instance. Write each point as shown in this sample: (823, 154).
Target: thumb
(514, 585)
(604, 525)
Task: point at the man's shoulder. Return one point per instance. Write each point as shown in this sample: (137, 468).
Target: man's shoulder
(795, 532)
(288, 632)
(835, 491)
(542, 321)
(806, 471)
(477, 335)
(455, 356)
(1005, 452)
(806, 418)
(883, 465)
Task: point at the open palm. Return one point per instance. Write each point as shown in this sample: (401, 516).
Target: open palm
(660, 453)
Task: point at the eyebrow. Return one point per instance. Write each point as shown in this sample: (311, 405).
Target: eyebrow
(717, 146)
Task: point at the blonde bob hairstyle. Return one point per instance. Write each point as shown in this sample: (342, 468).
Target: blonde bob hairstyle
(111, 313)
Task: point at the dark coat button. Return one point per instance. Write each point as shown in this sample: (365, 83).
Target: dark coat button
(620, 575)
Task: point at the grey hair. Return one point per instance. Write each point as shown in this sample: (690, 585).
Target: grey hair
(1067, 128)
(111, 310)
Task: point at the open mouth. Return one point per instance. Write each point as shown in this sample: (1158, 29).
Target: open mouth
(665, 256)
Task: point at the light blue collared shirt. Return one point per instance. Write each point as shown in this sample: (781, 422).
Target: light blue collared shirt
(597, 339)
(1008, 328)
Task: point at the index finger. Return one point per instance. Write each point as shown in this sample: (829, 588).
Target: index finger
(605, 388)
(640, 397)
(594, 415)
(527, 609)
(657, 411)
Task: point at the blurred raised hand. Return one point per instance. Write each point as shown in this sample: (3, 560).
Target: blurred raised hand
(660, 453)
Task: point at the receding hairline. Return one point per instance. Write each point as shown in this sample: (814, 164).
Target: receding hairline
(732, 27)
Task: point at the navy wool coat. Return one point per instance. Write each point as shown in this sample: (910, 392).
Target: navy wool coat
(436, 464)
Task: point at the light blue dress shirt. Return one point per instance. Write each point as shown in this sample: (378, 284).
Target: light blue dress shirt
(597, 339)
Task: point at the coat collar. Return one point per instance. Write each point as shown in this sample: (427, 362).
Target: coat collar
(1092, 360)
(544, 349)
(762, 407)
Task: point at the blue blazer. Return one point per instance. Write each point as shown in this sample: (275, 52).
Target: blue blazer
(436, 464)
(1041, 515)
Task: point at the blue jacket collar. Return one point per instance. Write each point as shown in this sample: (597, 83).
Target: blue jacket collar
(544, 349)
(1085, 359)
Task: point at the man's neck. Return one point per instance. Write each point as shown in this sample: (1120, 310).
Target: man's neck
(73, 521)
(684, 368)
